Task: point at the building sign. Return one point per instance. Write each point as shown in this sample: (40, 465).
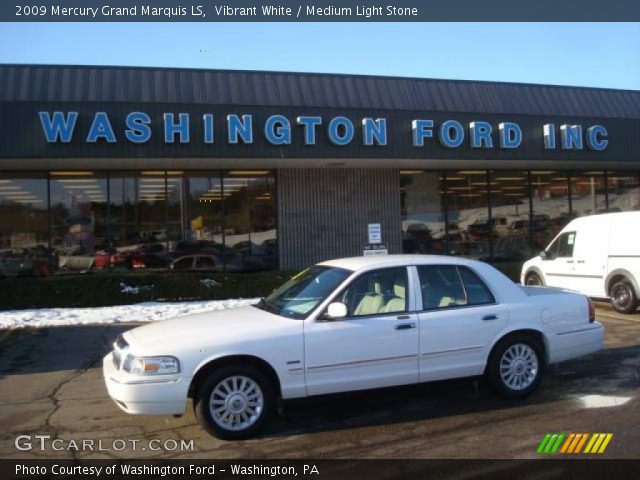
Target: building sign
(374, 249)
(375, 233)
(235, 129)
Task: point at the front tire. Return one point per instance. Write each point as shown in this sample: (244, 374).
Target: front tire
(234, 402)
(623, 297)
(516, 365)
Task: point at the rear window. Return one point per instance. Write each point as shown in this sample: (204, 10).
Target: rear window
(448, 286)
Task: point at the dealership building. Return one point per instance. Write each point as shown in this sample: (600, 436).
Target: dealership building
(247, 170)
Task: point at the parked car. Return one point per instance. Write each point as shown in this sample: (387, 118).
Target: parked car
(206, 263)
(482, 229)
(350, 324)
(26, 262)
(195, 263)
(153, 255)
(111, 258)
(253, 257)
(598, 255)
(190, 247)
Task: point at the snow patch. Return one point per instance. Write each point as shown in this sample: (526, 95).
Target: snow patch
(140, 312)
(124, 288)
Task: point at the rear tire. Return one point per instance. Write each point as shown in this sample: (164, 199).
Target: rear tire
(623, 297)
(533, 279)
(234, 402)
(516, 365)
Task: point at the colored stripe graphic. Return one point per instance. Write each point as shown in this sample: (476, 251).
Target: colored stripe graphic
(572, 443)
(567, 443)
(543, 443)
(598, 443)
(550, 443)
(581, 442)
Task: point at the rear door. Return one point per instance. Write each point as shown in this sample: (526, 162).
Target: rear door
(460, 317)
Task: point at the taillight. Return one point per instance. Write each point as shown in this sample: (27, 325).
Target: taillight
(592, 311)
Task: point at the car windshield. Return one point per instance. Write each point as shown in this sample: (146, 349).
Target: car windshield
(304, 292)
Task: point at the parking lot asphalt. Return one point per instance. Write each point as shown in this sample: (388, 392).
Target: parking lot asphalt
(51, 383)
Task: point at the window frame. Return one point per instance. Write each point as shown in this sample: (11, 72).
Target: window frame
(418, 291)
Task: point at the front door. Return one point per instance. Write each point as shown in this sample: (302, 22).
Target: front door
(376, 345)
(558, 266)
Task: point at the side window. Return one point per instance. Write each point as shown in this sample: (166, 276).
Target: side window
(441, 287)
(567, 241)
(378, 292)
(477, 292)
(183, 263)
(205, 262)
(562, 246)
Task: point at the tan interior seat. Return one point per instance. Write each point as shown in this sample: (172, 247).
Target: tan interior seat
(398, 302)
(371, 303)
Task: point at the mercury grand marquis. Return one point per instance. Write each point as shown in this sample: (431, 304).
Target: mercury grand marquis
(350, 324)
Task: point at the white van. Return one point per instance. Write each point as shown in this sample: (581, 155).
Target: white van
(598, 255)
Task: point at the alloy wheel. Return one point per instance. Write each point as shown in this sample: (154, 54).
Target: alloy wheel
(236, 403)
(519, 366)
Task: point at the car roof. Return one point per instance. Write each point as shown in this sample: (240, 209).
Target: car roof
(373, 261)
(632, 216)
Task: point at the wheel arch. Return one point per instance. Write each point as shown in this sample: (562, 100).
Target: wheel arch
(619, 273)
(536, 270)
(533, 332)
(206, 367)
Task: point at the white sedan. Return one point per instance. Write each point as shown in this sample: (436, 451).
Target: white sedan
(350, 324)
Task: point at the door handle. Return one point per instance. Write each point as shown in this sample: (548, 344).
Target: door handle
(569, 261)
(490, 317)
(580, 261)
(403, 317)
(405, 326)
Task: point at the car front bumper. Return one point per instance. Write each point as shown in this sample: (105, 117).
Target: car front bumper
(153, 396)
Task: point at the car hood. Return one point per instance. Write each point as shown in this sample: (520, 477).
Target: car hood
(210, 328)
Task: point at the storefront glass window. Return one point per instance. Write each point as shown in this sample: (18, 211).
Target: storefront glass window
(588, 193)
(423, 219)
(123, 210)
(249, 220)
(78, 218)
(175, 207)
(468, 213)
(24, 229)
(204, 235)
(510, 222)
(152, 207)
(550, 200)
(623, 191)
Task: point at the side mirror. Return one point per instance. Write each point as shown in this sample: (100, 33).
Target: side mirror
(336, 310)
(543, 254)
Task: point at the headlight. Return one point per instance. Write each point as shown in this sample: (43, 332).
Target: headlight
(151, 365)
